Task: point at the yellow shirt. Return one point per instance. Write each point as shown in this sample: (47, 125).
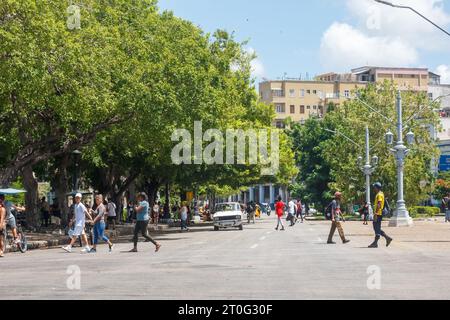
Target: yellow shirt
(379, 198)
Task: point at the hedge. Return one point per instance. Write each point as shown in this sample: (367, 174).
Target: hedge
(424, 211)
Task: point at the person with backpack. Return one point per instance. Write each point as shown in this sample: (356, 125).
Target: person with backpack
(251, 208)
(334, 213)
(381, 209)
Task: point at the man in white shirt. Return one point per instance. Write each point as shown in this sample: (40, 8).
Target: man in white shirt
(292, 211)
(80, 212)
(112, 216)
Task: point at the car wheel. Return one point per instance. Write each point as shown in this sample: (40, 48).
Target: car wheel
(241, 227)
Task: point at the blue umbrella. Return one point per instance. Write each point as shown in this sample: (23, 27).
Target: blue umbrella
(11, 191)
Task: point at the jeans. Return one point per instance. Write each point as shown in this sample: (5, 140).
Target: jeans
(99, 232)
(377, 220)
(141, 227)
(184, 225)
(447, 216)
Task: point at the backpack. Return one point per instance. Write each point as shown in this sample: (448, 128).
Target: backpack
(387, 208)
(328, 210)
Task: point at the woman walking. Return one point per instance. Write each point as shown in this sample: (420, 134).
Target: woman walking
(142, 220)
(279, 209)
(99, 224)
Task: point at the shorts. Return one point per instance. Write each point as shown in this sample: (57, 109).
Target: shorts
(11, 222)
(78, 231)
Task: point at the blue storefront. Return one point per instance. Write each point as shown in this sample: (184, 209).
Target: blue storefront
(444, 163)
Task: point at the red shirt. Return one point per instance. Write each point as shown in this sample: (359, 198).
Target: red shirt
(279, 207)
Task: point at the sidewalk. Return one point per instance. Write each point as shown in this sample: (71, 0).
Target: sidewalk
(122, 234)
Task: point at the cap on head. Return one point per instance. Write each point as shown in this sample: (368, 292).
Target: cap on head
(378, 186)
(79, 195)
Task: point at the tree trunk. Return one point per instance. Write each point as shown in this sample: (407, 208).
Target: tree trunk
(167, 204)
(152, 191)
(31, 197)
(7, 175)
(61, 190)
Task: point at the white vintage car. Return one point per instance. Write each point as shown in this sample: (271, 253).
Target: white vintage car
(228, 215)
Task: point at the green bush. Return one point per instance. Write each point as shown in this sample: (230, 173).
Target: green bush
(424, 211)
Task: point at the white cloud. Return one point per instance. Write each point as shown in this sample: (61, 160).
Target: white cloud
(444, 72)
(258, 69)
(385, 36)
(344, 47)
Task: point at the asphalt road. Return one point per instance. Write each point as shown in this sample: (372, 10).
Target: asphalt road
(257, 263)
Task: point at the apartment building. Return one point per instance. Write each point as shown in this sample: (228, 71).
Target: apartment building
(299, 99)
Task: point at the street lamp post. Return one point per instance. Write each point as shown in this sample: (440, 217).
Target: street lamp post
(401, 217)
(388, 3)
(368, 168)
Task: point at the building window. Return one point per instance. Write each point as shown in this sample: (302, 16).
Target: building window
(280, 125)
(315, 107)
(347, 93)
(292, 109)
(320, 107)
(308, 91)
(302, 109)
(308, 107)
(430, 95)
(302, 93)
(278, 93)
(292, 93)
(314, 91)
(280, 108)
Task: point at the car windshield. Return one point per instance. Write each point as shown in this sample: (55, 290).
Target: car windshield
(227, 207)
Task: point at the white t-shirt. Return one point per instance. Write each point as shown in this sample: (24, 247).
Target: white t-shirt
(292, 207)
(80, 216)
(184, 214)
(111, 209)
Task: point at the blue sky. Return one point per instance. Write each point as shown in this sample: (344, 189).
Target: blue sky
(298, 37)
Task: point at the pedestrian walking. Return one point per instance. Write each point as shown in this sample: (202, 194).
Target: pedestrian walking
(300, 210)
(184, 217)
(99, 224)
(155, 213)
(45, 212)
(142, 220)
(364, 211)
(446, 206)
(112, 214)
(292, 210)
(279, 210)
(336, 218)
(380, 209)
(251, 208)
(80, 213)
(2, 228)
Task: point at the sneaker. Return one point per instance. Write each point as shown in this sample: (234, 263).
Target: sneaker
(67, 249)
(111, 248)
(93, 250)
(86, 250)
(373, 246)
(331, 242)
(346, 241)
